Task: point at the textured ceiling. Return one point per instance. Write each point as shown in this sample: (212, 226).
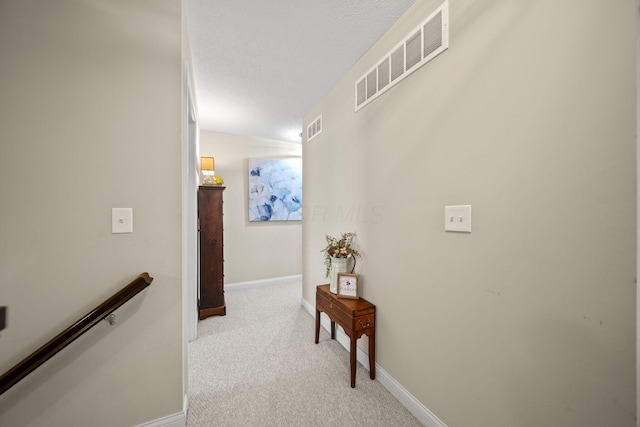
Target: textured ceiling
(259, 65)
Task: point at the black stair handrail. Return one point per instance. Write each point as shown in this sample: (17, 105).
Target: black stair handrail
(73, 332)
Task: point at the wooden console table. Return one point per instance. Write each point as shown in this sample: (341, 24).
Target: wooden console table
(356, 316)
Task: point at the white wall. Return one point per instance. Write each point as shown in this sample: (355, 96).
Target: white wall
(91, 120)
(530, 118)
(252, 250)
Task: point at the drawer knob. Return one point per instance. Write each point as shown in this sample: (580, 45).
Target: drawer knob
(362, 324)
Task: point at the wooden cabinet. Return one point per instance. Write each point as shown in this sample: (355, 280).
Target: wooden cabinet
(210, 239)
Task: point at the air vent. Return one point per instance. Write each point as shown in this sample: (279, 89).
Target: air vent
(432, 35)
(314, 128)
(413, 47)
(383, 74)
(397, 63)
(423, 43)
(372, 83)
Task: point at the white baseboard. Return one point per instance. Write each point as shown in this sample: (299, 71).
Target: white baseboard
(262, 282)
(175, 420)
(178, 419)
(413, 405)
(421, 412)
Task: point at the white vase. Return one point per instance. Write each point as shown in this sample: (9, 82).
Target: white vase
(338, 265)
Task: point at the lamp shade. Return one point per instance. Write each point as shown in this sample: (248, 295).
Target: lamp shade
(207, 164)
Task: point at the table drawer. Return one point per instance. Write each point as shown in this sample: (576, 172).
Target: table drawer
(342, 318)
(333, 310)
(364, 322)
(323, 303)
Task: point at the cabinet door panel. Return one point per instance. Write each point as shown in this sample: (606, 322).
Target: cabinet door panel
(211, 251)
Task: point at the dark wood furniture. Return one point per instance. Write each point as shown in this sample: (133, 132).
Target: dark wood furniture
(356, 316)
(211, 293)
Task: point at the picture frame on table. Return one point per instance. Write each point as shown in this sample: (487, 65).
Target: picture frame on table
(348, 286)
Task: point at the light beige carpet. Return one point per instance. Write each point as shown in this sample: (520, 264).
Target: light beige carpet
(259, 366)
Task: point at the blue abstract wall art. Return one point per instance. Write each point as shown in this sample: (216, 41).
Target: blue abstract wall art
(275, 190)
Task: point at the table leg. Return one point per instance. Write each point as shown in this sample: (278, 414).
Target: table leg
(372, 356)
(353, 353)
(317, 326)
(333, 330)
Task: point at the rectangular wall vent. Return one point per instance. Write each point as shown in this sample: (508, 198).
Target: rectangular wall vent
(383, 74)
(413, 47)
(314, 128)
(397, 63)
(423, 43)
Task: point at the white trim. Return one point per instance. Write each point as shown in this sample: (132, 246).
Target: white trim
(310, 308)
(262, 282)
(178, 419)
(413, 405)
(421, 412)
(189, 211)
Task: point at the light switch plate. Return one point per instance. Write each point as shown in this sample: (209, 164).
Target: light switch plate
(121, 220)
(457, 218)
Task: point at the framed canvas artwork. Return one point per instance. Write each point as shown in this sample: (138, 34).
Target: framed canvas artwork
(275, 190)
